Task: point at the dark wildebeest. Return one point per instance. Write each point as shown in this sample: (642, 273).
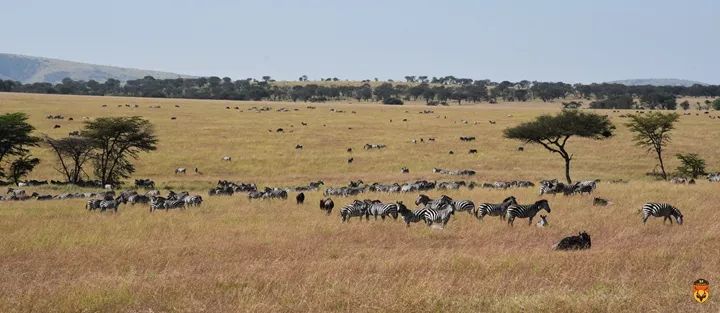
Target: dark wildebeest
(579, 242)
(327, 205)
(300, 198)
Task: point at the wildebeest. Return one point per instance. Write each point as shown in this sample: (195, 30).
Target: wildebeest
(600, 202)
(300, 198)
(350, 160)
(472, 151)
(180, 170)
(467, 138)
(349, 149)
(327, 205)
(579, 242)
(144, 183)
(298, 147)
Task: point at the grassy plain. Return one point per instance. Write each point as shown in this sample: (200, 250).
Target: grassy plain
(233, 255)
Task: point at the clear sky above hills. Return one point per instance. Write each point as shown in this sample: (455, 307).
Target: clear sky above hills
(572, 41)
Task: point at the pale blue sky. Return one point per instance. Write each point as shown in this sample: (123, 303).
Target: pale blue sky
(572, 41)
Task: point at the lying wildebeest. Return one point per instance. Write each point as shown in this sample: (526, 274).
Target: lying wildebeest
(579, 242)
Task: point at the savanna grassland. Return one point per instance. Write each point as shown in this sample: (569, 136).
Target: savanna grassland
(236, 255)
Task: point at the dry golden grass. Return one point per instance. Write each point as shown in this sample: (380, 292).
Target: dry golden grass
(232, 255)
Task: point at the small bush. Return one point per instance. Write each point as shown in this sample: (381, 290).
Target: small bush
(685, 105)
(692, 165)
(392, 101)
(716, 104)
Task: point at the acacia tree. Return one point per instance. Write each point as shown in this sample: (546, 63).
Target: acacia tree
(652, 131)
(22, 166)
(72, 153)
(15, 137)
(553, 132)
(116, 140)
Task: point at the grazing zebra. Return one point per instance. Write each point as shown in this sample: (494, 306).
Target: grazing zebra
(411, 216)
(195, 200)
(438, 215)
(110, 205)
(493, 209)
(327, 205)
(174, 204)
(180, 170)
(157, 203)
(133, 199)
(543, 221)
(579, 242)
(356, 208)
(526, 211)
(93, 204)
(551, 187)
(384, 209)
(661, 209)
(300, 198)
(464, 205)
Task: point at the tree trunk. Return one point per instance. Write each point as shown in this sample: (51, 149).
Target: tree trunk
(567, 169)
(662, 165)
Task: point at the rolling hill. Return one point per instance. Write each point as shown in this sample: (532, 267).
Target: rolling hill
(29, 69)
(658, 82)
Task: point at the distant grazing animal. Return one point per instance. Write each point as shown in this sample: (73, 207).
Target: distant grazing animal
(678, 180)
(173, 118)
(667, 211)
(551, 187)
(56, 126)
(378, 208)
(350, 160)
(279, 130)
(492, 122)
(467, 138)
(108, 187)
(300, 198)
(464, 205)
(195, 200)
(227, 159)
(298, 146)
(543, 221)
(495, 209)
(349, 149)
(451, 152)
(433, 204)
(134, 199)
(521, 149)
(714, 177)
(405, 170)
(472, 151)
(93, 204)
(327, 205)
(579, 242)
(110, 204)
(144, 183)
(180, 170)
(526, 211)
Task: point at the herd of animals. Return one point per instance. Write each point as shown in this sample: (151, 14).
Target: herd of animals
(429, 211)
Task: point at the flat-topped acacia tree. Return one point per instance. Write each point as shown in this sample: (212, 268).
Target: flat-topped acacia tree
(553, 132)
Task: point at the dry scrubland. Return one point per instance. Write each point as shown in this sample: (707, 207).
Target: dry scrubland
(232, 255)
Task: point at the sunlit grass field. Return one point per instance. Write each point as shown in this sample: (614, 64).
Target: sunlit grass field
(236, 255)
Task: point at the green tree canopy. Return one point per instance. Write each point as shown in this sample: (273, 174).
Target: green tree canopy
(553, 131)
(652, 131)
(116, 140)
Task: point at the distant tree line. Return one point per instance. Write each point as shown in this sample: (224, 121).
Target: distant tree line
(421, 88)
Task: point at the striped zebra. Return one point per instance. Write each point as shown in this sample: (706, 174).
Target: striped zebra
(433, 204)
(195, 200)
(93, 204)
(495, 209)
(661, 209)
(411, 216)
(526, 211)
(438, 215)
(464, 205)
(356, 208)
(157, 203)
(384, 209)
(110, 205)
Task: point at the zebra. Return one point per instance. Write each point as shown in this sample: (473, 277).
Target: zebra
(661, 209)
(384, 209)
(411, 216)
(433, 204)
(180, 170)
(464, 205)
(174, 203)
(327, 205)
(110, 204)
(526, 211)
(157, 203)
(195, 200)
(356, 208)
(438, 215)
(93, 204)
(551, 187)
(492, 209)
(133, 199)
